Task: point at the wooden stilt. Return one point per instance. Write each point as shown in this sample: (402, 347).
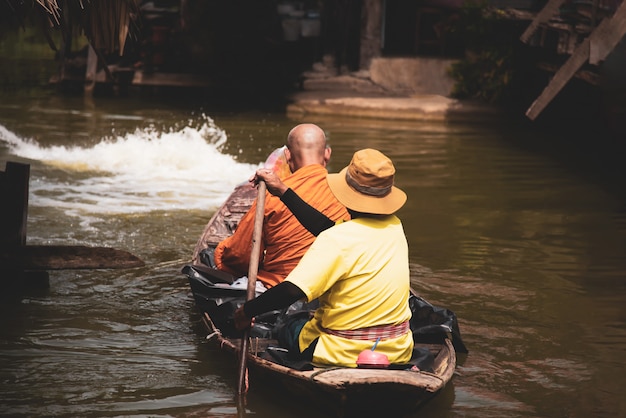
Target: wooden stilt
(14, 210)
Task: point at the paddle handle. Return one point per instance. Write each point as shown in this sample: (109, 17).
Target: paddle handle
(253, 269)
(255, 256)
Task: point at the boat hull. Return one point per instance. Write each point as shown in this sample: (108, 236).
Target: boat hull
(340, 391)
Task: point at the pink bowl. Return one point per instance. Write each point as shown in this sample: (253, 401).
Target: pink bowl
(369, 359)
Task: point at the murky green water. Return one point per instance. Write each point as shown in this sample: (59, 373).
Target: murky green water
(522, 234)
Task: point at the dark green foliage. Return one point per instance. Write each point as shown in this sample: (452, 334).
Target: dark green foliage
(485, 75)
(491, 68)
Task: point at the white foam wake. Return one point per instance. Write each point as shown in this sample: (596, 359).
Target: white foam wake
(147, 170)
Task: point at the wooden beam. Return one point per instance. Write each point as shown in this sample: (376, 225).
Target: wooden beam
(560, 79)
(543, 16)
(608, 34)
(602, 41)
(40, 257)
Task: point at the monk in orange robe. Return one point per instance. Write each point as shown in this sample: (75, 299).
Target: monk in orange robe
(284, 240)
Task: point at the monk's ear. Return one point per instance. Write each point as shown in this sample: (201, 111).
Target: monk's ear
(327, 152)
(290, 161)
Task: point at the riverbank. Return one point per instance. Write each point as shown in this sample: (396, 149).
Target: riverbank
(388, 94)
(415, 108)
(364, 94)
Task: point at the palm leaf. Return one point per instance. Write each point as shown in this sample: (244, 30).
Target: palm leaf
(106, 24)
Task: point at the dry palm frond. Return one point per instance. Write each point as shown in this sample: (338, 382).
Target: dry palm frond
(52, 8)
(105, 23)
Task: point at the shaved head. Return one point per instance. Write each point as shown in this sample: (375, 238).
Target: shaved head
(306, 145)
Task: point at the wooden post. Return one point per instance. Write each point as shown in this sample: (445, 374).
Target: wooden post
(14, 210)
(13, 219)
(21, 263)
(371, 32)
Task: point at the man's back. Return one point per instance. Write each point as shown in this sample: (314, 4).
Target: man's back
(285, 240)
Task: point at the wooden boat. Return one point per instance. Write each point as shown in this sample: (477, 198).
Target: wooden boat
(340, 390)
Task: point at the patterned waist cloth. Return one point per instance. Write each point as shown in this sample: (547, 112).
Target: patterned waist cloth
(371, 333)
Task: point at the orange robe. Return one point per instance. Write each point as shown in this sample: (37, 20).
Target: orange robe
(284, 240)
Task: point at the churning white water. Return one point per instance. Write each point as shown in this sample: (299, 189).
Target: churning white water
(147, 170)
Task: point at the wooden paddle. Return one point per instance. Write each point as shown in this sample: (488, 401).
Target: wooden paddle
(252, 272)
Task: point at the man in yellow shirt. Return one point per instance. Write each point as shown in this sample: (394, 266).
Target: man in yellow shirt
(359, 271)
(284, 240)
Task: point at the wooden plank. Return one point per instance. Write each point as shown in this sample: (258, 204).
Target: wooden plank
(608, 34)
(542, 17)
(14, 207)
(35, 257)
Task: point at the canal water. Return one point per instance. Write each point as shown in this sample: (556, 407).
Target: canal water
(521, 232)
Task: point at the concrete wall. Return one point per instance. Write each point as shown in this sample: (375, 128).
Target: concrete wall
(413, 75)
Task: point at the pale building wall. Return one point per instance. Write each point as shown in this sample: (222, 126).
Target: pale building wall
(413, 75)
